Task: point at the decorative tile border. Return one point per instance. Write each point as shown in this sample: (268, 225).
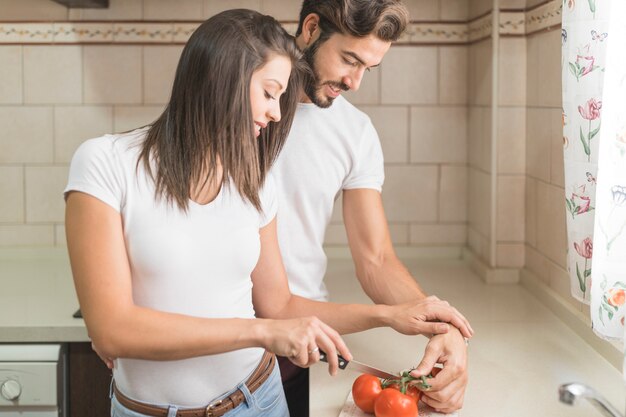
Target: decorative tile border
(545, 16)
(512, 23)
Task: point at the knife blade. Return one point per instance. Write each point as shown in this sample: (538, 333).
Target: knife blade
(357, 366)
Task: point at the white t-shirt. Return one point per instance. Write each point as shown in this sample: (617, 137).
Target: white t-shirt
(328, 150)
(196, 263)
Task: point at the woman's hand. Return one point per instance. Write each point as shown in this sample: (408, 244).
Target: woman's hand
(427, 316)
(301, 339)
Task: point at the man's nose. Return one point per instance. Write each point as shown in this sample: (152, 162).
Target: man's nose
(353, 81)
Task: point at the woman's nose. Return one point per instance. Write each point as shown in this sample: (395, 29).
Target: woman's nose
(274, 112)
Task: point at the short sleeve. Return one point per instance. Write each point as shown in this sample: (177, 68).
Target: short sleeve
(368, 170)
(269, 201)
(95, 170)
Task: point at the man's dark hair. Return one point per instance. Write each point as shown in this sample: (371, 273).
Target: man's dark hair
(385, 19)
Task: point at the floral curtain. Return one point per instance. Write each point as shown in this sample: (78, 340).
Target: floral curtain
(594, 142)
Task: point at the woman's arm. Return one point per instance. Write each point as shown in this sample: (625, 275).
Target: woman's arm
(120, 329)
(273, 299)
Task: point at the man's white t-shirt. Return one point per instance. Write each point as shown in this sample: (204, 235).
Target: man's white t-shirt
(328, 150)
(196, 263)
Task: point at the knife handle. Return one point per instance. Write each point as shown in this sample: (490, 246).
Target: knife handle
(342, 361)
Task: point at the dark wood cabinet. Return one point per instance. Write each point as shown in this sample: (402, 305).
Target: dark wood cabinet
(89, 382)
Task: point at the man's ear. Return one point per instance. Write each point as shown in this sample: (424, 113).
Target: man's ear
(311, 28)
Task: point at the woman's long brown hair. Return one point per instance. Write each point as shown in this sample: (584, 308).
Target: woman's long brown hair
(208, 120)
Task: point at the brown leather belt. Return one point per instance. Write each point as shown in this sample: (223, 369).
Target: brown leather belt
(215, 409)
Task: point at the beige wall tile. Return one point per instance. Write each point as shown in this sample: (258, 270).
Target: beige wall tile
(52, 74)
(561, 284)
(417, 86)
(212, 7)
(479, 195)
(131, 117)
(439, 134)
(453, 61)
(438, 234)
(531, 211)
(399, 233)
(59, 235)
(11, 194)
(73, 125)
(27, 134)
(173, 10)
(538, 143)
(551, 230)
(479, 244)
(26, 235)
(112, 74)
(453, 194)
(512, 140)
(11, 74)
(544, 69)
(512, 72)
(510, 255)
(117, 10)
(392, 124)
(337, 215)
(423, 10)
(455, 9)
(29, 10)
(537, 263)
(410, 193)
(512, 4)
(479, 7)
(511, 206)
(159, 68)
(336, 235)
(557, 170)
(44, 193)
(480, 72)
(369, 90)
(282, 9)
(479, 138)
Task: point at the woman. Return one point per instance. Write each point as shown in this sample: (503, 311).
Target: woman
(172, 238)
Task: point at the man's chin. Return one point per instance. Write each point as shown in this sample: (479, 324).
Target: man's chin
(320, 100)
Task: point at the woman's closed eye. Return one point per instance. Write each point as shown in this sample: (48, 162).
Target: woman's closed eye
(268, 95)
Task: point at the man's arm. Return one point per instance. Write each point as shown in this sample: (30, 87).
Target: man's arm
(382, 275)
(386, 280)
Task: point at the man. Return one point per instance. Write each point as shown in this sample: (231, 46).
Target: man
(333, 148)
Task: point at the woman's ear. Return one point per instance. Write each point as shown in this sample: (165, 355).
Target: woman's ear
(311, 28)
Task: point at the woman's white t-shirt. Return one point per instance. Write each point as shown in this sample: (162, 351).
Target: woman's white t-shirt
(196, 263)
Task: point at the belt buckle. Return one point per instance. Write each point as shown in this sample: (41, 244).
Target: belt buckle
(210, 407)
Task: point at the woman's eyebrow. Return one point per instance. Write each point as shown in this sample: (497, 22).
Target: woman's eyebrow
(277, 82)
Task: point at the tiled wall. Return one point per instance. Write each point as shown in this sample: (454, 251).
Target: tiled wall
(546, 238)
(55, 93)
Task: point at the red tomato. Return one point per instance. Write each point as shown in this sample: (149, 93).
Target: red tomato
(411, 391)
(365, 390)
(393, 403)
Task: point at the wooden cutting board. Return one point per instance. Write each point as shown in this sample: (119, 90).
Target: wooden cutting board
(351, 410)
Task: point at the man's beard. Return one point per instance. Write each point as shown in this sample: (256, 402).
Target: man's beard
(313, 86)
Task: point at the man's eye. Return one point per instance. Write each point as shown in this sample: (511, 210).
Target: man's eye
(351, 63)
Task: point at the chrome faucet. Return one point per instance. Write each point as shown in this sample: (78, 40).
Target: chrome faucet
(569, 393)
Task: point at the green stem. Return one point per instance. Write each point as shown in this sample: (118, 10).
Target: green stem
(585, 279)
(589, 142)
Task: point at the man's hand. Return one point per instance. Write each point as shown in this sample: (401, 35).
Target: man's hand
(428, 316)
(448, 387)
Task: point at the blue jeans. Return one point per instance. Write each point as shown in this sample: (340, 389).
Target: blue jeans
(267, 401)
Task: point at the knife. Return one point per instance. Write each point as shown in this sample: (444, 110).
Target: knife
(358, 367)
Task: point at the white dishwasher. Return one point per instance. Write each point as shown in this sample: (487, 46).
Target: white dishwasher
(33, 380)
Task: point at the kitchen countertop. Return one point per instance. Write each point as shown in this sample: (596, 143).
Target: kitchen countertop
(519, 356)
